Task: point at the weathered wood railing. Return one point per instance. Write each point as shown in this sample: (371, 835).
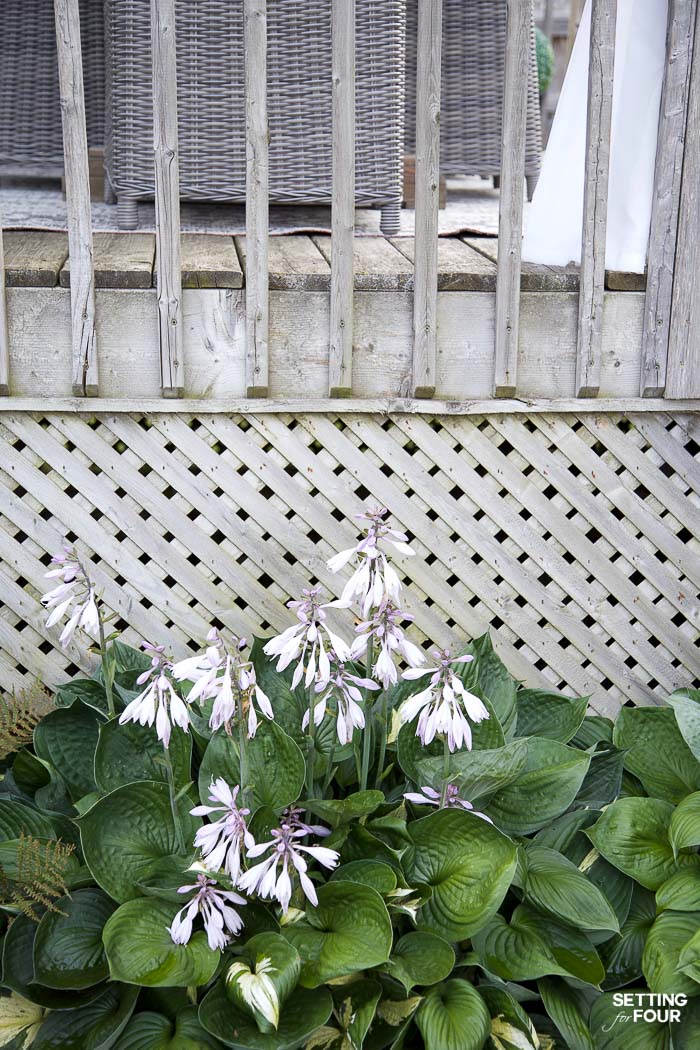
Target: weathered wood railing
(671, 359)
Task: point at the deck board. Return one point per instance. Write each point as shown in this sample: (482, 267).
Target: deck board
(295, 264)
(210, 261)
(460, 267)
(121, 260)
(378, 265)
(34, 259)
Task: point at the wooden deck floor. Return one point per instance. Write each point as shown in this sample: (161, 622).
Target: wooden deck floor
(297, 263)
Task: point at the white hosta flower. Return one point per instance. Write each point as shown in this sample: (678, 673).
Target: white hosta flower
(272, 878)
(310, 642)
(445, 706)
(428, 796)
(374, 580)
(158, 702)
(343, 688)
(224, 840)
(384, 628)
(224, 674)
(221, 920)
(73, 597)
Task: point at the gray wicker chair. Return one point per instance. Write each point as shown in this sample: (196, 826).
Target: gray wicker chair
(31, 139)
(211, 118)
(473, 58)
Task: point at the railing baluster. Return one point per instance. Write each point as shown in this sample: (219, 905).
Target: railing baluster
(257, 198)
(510, 220)
(4, 336)
(167, 183)
(77, 179)
(667, 192)
(427, 196)
(683, 369)
(343, 209)
(595, 198)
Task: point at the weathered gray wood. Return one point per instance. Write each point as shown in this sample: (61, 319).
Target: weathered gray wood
(77, 180)
(667, 187)
(4, 331)
(343, 203)
(167, 195)
(534, 277)
(210, 261)
(257, 197)
(121, 260)
(595, 197)
(34, 259)
(295, 263)
(427, 196)
(460, 267)
(510, 219)
(378, 265)
(683, 363)
(621, 281)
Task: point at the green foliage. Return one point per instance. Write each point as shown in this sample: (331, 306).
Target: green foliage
(545, 60)
(436, 929)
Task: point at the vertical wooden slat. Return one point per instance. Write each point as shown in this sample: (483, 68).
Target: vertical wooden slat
(257, 206)
(77, 181)
(595, 197)
(167, 183)
(510, 221)
(4, 337)
(667, 192)
(683, 369)
(343, 207)
(427, 196)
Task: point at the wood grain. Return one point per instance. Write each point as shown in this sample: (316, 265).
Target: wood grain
(121, 260)
(257, 198)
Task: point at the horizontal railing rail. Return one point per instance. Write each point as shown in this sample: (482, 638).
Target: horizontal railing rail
(671, 355)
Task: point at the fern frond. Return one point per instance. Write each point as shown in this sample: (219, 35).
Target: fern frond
(19, 715)
(41, 876)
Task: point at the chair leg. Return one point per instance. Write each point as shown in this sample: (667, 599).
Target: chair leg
(496, 182)
(127, 213)
(390, 220)
(530, 184)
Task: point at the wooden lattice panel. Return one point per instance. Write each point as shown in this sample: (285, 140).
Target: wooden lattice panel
(570, 537)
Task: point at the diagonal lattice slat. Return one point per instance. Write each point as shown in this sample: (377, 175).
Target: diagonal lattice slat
(569, 537)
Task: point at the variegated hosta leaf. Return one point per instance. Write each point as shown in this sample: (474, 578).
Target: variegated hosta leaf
(260, 981)
(395, 1011)
(19, 1017)
(506, 1036)
(324, 1038)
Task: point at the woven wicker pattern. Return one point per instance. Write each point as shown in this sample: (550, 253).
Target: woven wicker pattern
(31, 138)
(570, 537)
(211, 92)
(473, 59)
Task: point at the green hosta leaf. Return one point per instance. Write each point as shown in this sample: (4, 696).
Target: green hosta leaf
(477, 773)
(488, 735)
(83, 690)
(67, 738)
(372, 873)
(339, 811)
(689, 958)
(275, 761)
(131, 752)
(681, 892)
(531, 946)
(289, 704)
(686, 707)
(687, 1031)
(453, 1016)
(685, 823)
(302, 1014)
(140, 950)
(129, 831)
(360, 844)
(595, 729)
(261, 980)
(622, 955)
(633, 835)
(547, 714)
(153, 1031)
(421, 959)
(68, 950)
(30, 773)
(467, 863)
(603, 781)
(615, 887)
(567, 1008)
(355, 1008)
(613, 1027)
(557, 886)
(489, 677)
(657, 752)
(667, 938)
(349, 930)
(16, 818)
(549, 783)
(566, 834)
(91, 1027)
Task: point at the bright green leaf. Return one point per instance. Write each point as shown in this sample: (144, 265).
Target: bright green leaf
(686, 707)
(67, 738)
(542, 713)
(681, 892)
(557, 886)
(275, 762)
(453, 1016)
(131, 752)
(613, 1027)
(153, 1031)
(372, 873)
(476, 773)
(339, 811)
(421, 959)
(567, 1008)
(667, 938)
(657, 752)
(684, 831)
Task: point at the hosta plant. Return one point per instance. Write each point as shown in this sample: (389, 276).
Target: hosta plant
(335, 838)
